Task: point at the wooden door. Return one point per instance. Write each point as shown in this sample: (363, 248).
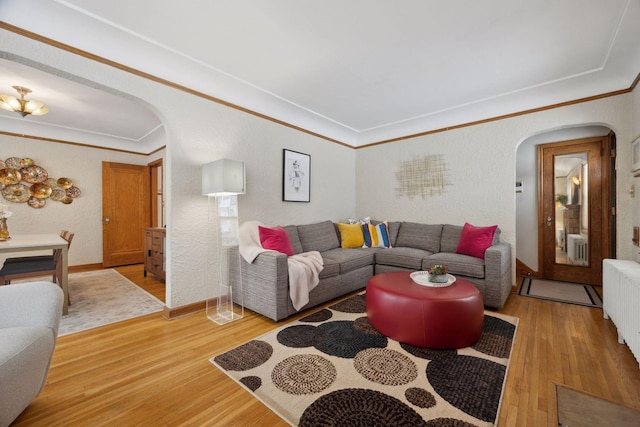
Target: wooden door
(157, 193)
(125, 213)
(575, 215)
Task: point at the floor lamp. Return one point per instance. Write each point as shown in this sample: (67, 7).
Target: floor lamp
(222, 181)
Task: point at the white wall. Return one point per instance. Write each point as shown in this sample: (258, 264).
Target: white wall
(625, 151)
(527, 205)
(84, 216)
(481, 163)
(482, 169)
(198, 132)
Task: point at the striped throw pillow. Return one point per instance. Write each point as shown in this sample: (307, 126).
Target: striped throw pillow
(376, 236)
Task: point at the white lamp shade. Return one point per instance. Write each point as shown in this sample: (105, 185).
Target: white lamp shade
(223, 177)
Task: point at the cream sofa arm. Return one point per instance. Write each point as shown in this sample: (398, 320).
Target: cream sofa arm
(31, 304)
(29, 319)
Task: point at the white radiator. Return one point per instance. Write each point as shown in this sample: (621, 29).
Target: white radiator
(621, 300)
(560, 238)
(581, 251)
(577, 249)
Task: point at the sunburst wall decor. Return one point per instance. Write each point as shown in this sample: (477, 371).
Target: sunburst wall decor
(22, 181)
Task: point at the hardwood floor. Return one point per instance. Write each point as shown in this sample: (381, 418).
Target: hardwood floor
(151, 371)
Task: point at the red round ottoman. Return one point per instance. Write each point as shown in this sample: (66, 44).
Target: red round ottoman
(435, 317)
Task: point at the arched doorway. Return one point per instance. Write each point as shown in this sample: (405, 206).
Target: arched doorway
(86, 116)
(536, 258)
(575, 208)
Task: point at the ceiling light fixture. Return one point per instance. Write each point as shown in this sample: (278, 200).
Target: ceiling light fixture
(22, 106)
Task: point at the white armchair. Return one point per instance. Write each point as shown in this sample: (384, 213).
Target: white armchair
(29, 319)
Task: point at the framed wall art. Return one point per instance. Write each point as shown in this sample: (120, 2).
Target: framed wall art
(296, 176)
(635, 155)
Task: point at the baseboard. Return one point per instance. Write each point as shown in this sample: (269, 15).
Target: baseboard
(185, 310)
(523, 270)
(84, 267)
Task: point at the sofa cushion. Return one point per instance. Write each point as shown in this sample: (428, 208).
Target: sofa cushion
(402, 257)
(320, 236)
(420, 236)
(450, 237)
(292, 232)
(349, 259)
(331, 267)
(351, 235)
(275, 239)
(474, 241)
(464, 265)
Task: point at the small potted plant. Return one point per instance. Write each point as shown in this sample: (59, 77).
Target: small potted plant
(562, 199)
(438, 274)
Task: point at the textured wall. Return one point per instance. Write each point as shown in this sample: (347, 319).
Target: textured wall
(198, 132)
(625, 157)
(527, 201)
(481, 164)
(201, 132)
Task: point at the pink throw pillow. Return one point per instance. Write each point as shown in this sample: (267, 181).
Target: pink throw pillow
(275, 239)
(474, 241)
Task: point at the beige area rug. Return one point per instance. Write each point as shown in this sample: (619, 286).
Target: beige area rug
(332, 368)
(573, 293)
(580, 409)
(102, 297)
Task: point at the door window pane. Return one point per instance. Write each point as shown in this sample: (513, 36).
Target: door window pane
(571, 178)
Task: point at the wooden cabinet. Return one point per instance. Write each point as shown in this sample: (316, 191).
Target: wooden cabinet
(154, 260)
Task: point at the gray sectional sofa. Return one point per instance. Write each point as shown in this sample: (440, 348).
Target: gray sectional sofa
(415, 247)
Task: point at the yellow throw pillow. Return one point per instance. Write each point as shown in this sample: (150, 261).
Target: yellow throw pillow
(351, 235)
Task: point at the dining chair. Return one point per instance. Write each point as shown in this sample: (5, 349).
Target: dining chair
(37, 266)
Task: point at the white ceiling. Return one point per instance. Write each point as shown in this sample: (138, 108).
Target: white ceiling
(79, 111)
(358, 71)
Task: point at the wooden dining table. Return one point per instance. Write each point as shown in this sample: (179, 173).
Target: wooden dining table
(38, 242)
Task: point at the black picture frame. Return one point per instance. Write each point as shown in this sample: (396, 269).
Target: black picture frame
(296, 176)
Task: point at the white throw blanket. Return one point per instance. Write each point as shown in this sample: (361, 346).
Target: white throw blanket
(304, 268)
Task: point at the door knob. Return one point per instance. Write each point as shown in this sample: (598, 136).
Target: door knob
(549, 220)
(106, 220)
